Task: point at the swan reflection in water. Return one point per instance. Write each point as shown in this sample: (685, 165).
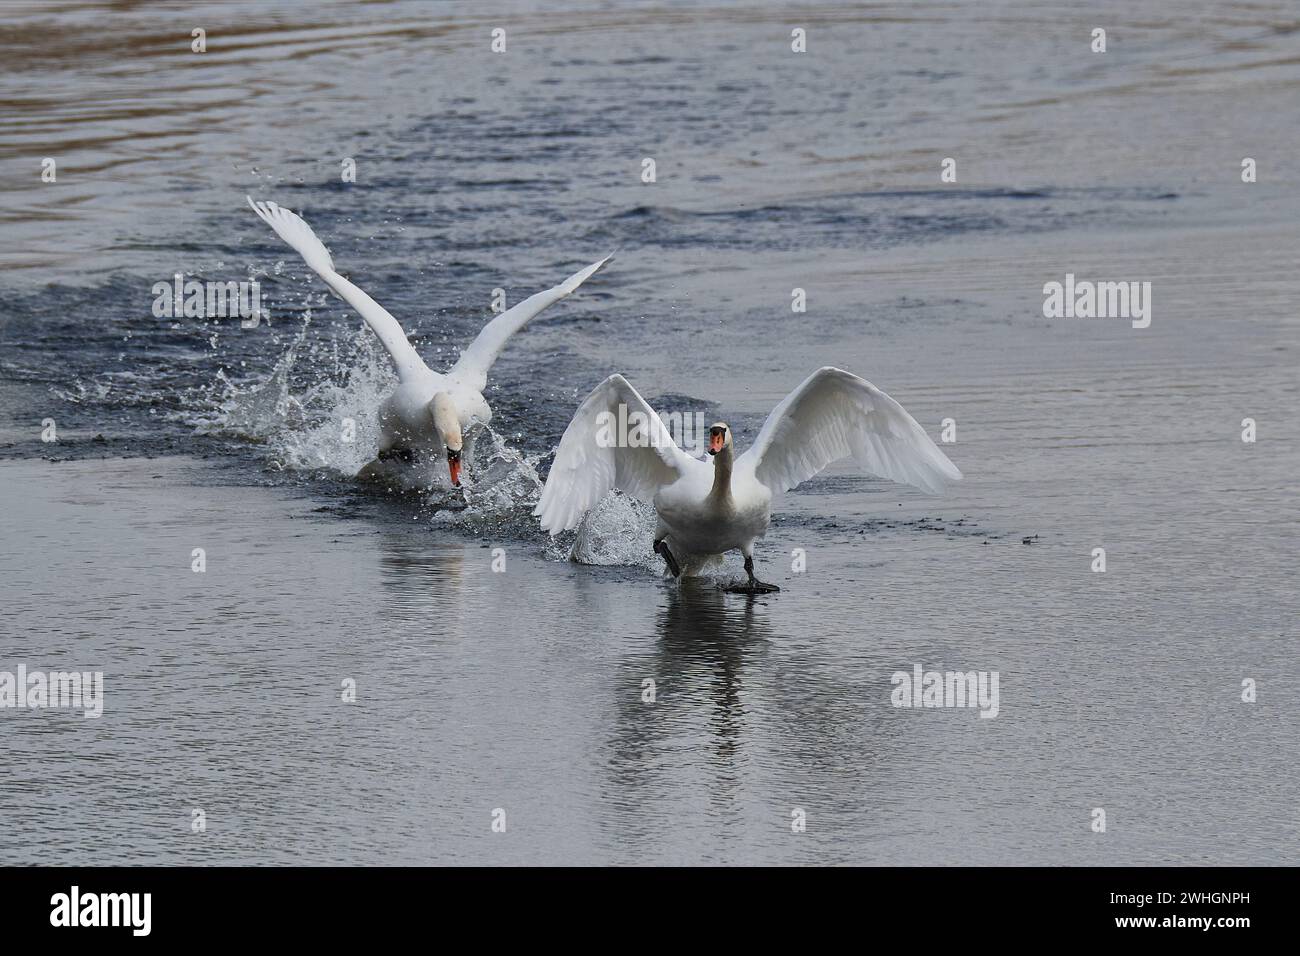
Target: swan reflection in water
(751, 716)
(421, 578)
(707, 644)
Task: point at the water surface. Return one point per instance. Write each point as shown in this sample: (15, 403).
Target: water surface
(523, 690)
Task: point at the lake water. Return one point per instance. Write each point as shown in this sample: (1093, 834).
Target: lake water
(522, 691)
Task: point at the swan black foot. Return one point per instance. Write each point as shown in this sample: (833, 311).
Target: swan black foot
(755, 586)
(397, 453)
(661, 549)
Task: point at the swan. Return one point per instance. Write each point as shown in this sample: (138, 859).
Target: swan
(428, 411)
(705, 510)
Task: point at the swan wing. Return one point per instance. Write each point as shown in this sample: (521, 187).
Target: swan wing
(475, 361)
(834, 414)
(291, 228)
(592, 458)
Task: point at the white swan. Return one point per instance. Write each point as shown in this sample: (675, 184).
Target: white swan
(428, 411)
(705, 511)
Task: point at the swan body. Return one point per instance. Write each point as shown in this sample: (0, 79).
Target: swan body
(429, 412)
(703, 520)
(707, 509)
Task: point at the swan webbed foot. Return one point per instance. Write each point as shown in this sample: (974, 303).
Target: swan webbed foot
(661, 549)
(397, 453)
(755, 586)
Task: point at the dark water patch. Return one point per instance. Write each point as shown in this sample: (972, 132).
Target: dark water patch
(963, 527)
(881, 220)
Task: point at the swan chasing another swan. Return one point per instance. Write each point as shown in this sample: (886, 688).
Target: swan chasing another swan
(429, 412)
(706, 511)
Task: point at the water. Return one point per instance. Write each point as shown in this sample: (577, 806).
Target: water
(523, 690)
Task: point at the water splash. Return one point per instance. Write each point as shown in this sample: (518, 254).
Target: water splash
(500, 478)
(618, 531)
(331, 424)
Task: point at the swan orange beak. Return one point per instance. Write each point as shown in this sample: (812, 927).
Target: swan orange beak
(715, 442)
(453, 466)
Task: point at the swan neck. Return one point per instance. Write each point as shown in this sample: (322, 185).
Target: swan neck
(722, 473)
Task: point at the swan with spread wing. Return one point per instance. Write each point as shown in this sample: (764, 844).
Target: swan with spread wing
(428, 412)
(706, 510)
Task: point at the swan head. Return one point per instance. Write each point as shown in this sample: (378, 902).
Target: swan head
(446, 422)
(719, 437)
